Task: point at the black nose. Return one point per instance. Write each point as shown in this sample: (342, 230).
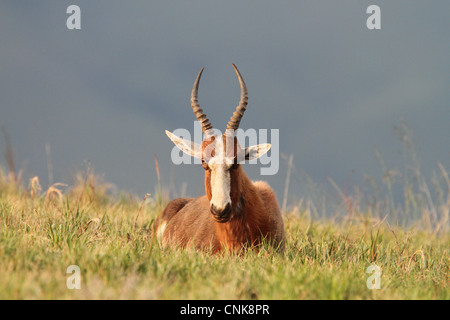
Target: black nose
(221, 215)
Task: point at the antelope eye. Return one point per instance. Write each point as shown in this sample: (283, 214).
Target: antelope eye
(205, 165)
(235, 164)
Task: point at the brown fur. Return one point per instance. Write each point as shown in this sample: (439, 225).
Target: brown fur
(255, 216)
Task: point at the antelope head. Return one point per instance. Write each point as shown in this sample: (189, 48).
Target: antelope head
(221, 156)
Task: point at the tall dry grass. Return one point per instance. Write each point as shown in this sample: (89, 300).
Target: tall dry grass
(108, 234)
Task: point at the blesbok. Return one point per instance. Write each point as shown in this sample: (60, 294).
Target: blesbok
(235, 212)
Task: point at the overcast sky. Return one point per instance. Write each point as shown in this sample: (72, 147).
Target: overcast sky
(334, 89)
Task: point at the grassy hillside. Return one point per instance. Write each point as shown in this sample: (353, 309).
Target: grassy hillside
(43, 232)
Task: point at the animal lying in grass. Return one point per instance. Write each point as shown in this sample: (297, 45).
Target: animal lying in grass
(234, 213)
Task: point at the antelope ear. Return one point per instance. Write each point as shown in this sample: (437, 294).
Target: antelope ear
(254, 152)
(189, 147)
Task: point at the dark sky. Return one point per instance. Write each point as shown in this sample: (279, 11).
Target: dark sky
(106, 93)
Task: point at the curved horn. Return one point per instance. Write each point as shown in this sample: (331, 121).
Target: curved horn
(235, 119)
(201, 116)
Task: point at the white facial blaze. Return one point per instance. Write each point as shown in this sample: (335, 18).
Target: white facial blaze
(220, 186)
(220, 177)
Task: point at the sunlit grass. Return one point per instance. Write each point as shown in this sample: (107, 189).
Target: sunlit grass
(42, 232)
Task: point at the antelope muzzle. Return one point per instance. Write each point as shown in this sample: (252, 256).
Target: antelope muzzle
(221, 215)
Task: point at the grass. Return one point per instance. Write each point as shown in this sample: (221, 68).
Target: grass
(42, 233)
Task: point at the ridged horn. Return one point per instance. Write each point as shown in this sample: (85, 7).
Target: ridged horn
(201, 116)
(235, 119)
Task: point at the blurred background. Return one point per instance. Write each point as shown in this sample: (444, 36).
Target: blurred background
(356, 108)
